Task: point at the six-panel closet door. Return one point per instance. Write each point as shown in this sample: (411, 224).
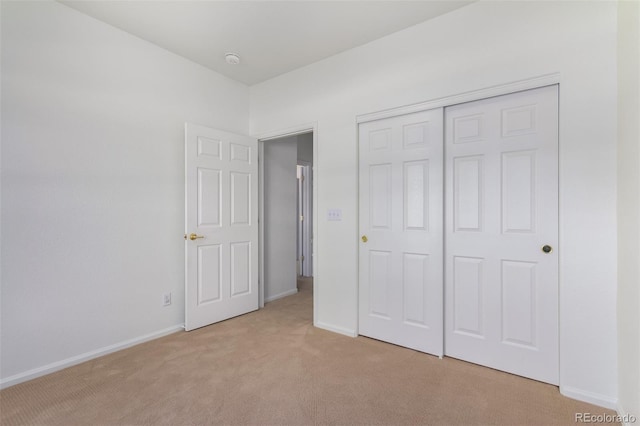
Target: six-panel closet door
(400, 256)
(501, 233)
(478, 282)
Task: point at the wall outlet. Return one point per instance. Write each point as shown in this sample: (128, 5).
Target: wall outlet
(166, 299)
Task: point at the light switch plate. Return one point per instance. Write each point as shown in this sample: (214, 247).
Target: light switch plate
(334, 214)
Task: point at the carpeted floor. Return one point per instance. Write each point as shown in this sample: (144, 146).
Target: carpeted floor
(272, 367)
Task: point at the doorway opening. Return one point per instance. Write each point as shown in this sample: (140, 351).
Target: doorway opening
(286, 211)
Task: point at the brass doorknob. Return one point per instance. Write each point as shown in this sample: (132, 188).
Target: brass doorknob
(547, 248)
(193, 236)
(364, 239)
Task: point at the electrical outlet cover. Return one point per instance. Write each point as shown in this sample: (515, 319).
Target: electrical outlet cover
(167, 299)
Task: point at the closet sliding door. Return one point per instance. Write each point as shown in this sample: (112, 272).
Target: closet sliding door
(400, 255)
(492, 254)
(501, 233)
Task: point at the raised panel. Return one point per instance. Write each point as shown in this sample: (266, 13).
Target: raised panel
(468, 128)
(518, 192)
(380, 196)
(519, 121)
(415, 135)
(240, 198)
(467, 197)
(380, 140)
(240, 153)
(209, 273)
(519, 303)
(467, 296)
(209, 147)
(379, 283)
(414, 283)
(209, 195)
(240, 268)
(416, 195)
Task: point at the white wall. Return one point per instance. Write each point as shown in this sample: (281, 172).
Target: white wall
(280, 211)
(629, 206)
(93, 183)
(478, 46)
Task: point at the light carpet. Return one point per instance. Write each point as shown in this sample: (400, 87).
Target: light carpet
(272, 367)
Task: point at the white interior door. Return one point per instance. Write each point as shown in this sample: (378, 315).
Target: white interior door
(300, 214)
(400, 292)
(305, 218)
(221, 230)
(501, 210)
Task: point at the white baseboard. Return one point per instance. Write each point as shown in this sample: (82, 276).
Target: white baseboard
(590, 397)
(281, 295)
(69, 362)
(336, 329)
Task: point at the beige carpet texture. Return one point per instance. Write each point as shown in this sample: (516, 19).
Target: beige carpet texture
(272, 367)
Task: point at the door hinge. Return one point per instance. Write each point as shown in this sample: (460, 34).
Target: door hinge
(302, 258)
(301, 218)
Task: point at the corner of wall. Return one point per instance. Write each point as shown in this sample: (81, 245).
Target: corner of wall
(336, 329)
(628, 306)
(624, 417)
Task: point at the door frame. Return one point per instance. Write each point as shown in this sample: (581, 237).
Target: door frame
(463, 97)
(263, 138)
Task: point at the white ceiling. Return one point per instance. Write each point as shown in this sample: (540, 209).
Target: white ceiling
(271, 37)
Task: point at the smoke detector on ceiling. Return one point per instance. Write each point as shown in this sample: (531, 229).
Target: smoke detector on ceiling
(232, 58)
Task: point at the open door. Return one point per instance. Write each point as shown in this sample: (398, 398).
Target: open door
(304, 219)
(221, 226)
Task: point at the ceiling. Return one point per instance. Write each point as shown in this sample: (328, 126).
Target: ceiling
(271, 37)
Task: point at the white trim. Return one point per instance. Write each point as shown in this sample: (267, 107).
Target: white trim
(260, 224)
(357, 231)
(281, 295)
(315, 237)
(474, 95)
(336, 329)
(289, 131)
(87, 356)
(590, 397)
